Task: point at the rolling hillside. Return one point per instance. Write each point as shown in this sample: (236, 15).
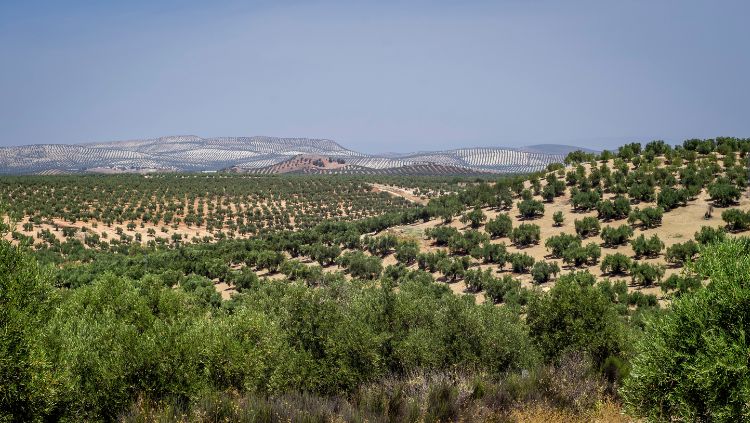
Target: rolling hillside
(257, 155)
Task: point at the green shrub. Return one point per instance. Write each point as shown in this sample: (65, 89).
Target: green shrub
(466, 242)
(558, 218)
(325, 255)
(613, 237)
(670, 198)
(27, 383)
(520, 262)
(500, 226)
(616, 264)
(246, 279)
(360, 265)
(585, 200)
(641, 192)
(574, 316)
(646, 274)
(682, 284)
(619, 208)
(690, 363)
(649, 247)
(407, 251)
(737, 220)
(542, 271)
(381, 245)
(453, 268)
(557, 244)
(491, 253)
(477, 280)
(441, 234)
(649, 217)
(475, 218)
(525, 234)
(530, 209)
(640, 299)
(578, 255)
(724, 193)
(710, 235)
(616, 292)
(505, 290)
(429, 260)
(682, 252)
(586, 227)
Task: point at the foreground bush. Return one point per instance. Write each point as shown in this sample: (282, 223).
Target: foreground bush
(691, 364)
(25, 297)
(116, 339)
(575, 316)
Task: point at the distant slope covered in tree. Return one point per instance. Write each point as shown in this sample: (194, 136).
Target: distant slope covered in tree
(191, 153)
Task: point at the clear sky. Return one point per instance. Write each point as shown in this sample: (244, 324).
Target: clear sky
(375, 75)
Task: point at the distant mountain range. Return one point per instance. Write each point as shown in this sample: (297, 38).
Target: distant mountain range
(265, 155)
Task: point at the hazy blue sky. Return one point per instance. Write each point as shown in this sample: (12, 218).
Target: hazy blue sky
(375, 76)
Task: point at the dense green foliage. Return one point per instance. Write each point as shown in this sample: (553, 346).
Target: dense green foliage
(619, 208)
(558, 218)
(691, 363)
(649, 217)
(646, 274)
(542, 271)
(475, 218)
(648, 247)
(681, 253)
(500, 226)
(275, 336)
(530, 209)
(614, 236)
(557, 244)
(26, 298)
(724, 193)
(575, 316)
(737, 220)
(525, 234)
(616, 264)
(709, 235)
(586, 227)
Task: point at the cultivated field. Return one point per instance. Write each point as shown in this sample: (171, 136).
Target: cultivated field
(168, 208)
(325, 298)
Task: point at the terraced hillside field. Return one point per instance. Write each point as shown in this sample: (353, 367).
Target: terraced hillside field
(318, 165)
(634, 221)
